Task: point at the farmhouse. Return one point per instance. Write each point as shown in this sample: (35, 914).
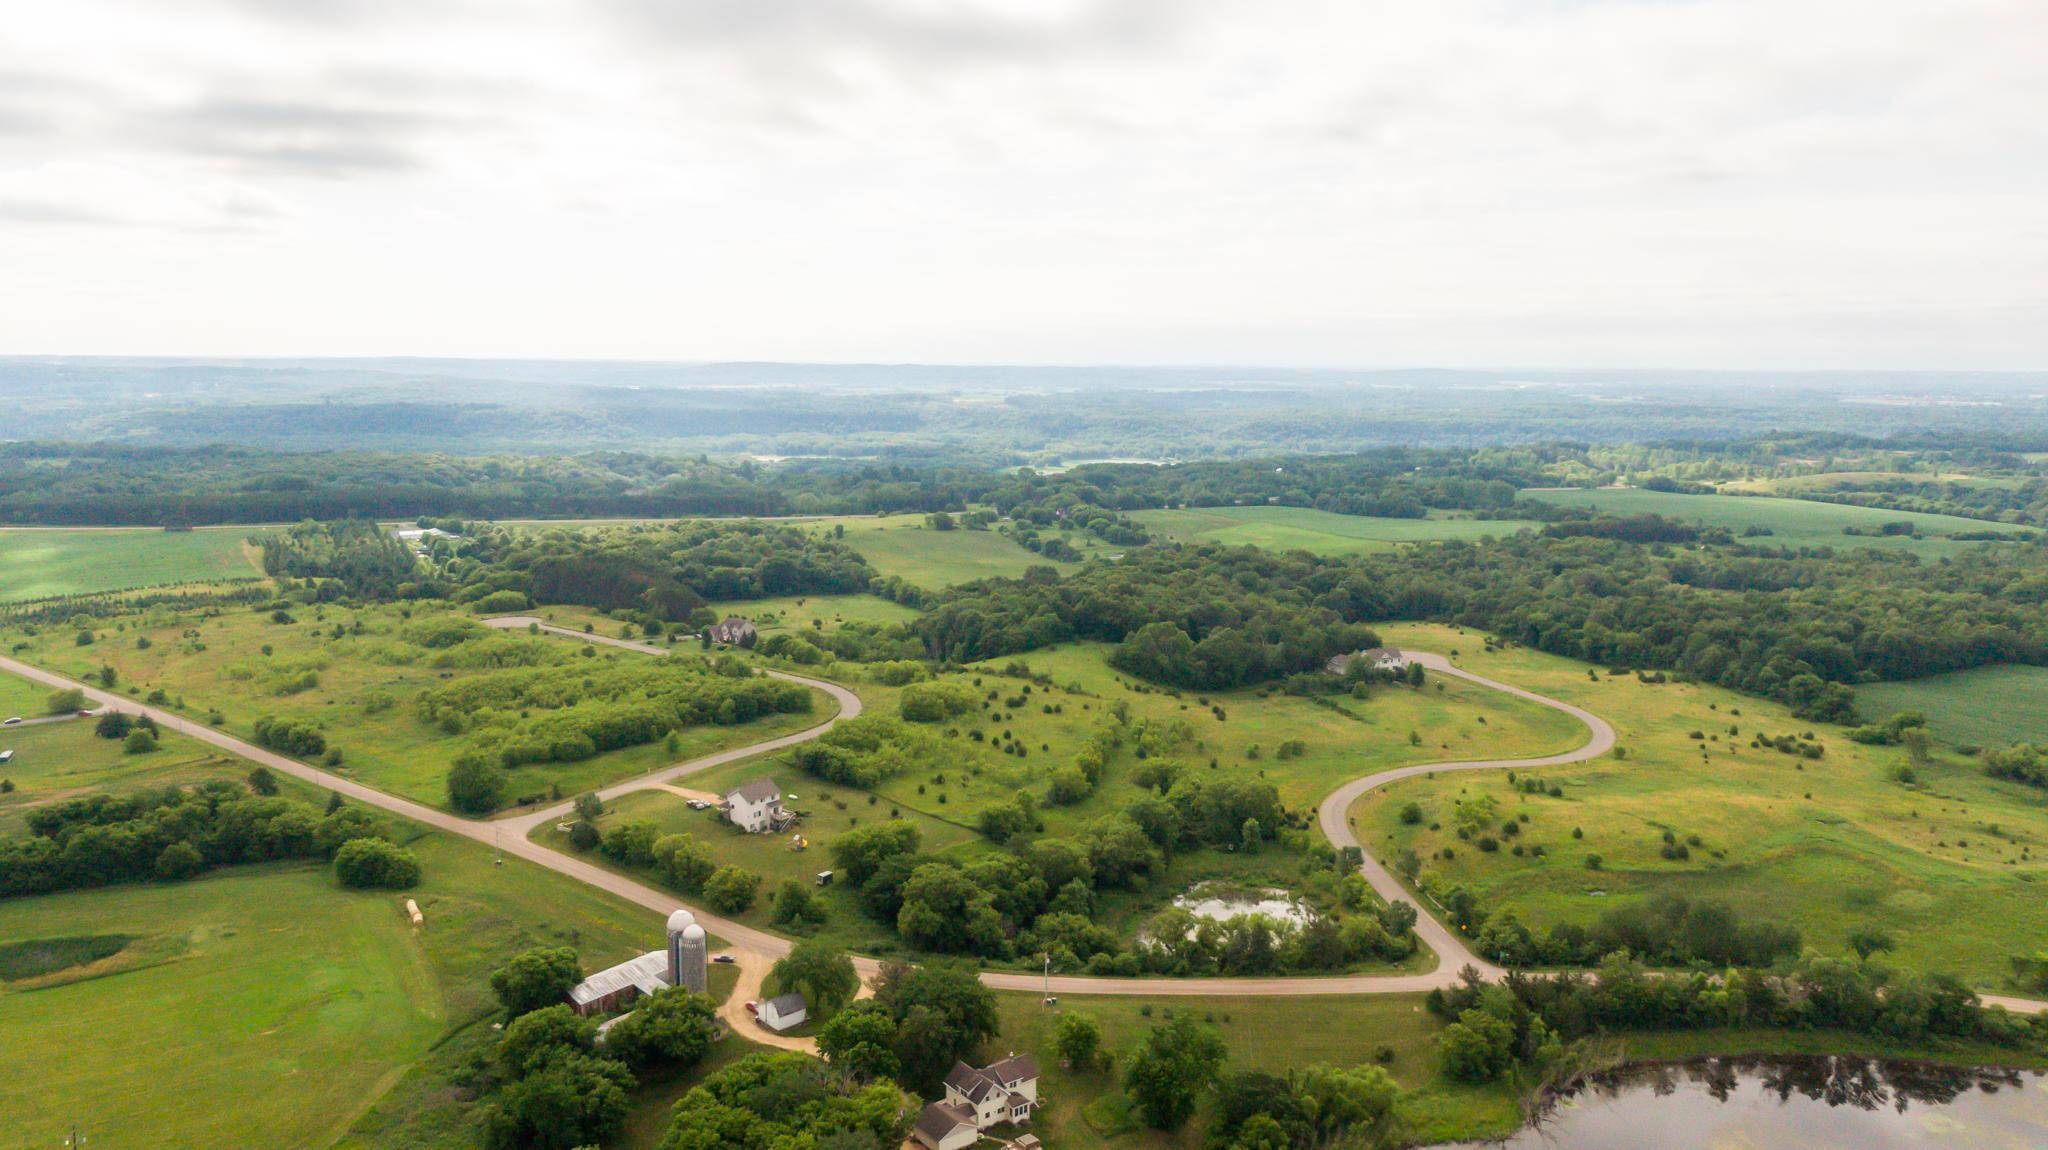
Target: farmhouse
(1374, 658)
(756, 807)
(783, 1012)
(1000, 1092)
(734, 632)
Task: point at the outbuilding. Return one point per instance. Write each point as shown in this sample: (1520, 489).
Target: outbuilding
(783, 1012)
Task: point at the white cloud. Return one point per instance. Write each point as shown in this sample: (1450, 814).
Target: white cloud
(1651, 182)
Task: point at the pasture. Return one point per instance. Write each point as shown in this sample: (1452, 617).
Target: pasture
(1319, 532)
(1943, 861)
(39, 563)
(354, 673)
(1984, 706)
(1786, 522)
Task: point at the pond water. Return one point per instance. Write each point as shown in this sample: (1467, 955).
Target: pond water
(1222, 905)
(1816, 1103)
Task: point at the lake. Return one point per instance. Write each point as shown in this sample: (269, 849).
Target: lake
(1811, 1103)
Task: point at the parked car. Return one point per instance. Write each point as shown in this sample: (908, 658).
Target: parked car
(725, 958)
(753, 1007)
(13, 722)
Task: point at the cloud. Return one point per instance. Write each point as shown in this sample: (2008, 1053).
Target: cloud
(16, 210)
(307, 136)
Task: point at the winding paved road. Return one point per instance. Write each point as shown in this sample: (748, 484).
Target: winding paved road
(755, 946)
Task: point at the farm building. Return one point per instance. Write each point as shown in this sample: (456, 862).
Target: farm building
(680, 963)
(783, 1012)
(614, 987)
(756, 807)
(734, 632)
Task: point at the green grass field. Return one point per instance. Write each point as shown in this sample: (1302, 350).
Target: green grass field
(1984, 706)
(35, 564)
(23, 699)
(1792, 522)
(266, 1006)
(238, 662)
(56, 761)
(1829, 845)
(1321, 532)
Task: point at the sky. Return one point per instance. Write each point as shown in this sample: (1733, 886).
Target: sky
(1351, 183)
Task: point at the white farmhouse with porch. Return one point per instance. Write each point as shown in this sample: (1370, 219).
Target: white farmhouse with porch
(755, 807)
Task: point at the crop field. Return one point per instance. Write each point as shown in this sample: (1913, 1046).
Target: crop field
(1320, 532)
(359, 687)
(40, 563)
(56, 761)
(904, 546)
(1790, 522)
(1945, 862)
(1985, 706)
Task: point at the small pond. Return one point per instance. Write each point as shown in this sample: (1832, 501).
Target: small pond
(1222, 903)
(1808, 1103)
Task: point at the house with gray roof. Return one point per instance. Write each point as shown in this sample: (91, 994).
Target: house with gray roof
(1002, 1091)
(755, 807)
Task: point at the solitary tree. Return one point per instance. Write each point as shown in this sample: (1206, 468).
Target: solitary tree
(819, 971)
(1078, 1039)
(1178, 1060)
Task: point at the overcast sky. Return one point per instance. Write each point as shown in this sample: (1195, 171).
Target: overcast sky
(1714, 183)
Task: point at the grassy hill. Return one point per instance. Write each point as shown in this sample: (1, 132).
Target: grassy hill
(1790, 522)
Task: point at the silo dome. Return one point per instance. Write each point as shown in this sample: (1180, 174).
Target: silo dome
(693, 933)
(680, 921)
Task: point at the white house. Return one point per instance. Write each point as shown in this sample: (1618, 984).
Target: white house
(1000, 1092)
(782, 1012)
(1377, 658)
(755, 807)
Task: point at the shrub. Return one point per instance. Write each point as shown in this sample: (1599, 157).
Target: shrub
(375, 863)
(731, 889)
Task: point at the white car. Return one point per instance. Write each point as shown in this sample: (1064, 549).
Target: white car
(13, 722)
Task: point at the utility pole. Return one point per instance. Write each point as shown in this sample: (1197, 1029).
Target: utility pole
(76, 1140)
(1045, 996)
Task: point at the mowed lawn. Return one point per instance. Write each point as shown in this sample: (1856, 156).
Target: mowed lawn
(266, 1006)
(1984, 706)
(1950, 865)
(1320, 532)
(1791, 522)
(36, 564)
